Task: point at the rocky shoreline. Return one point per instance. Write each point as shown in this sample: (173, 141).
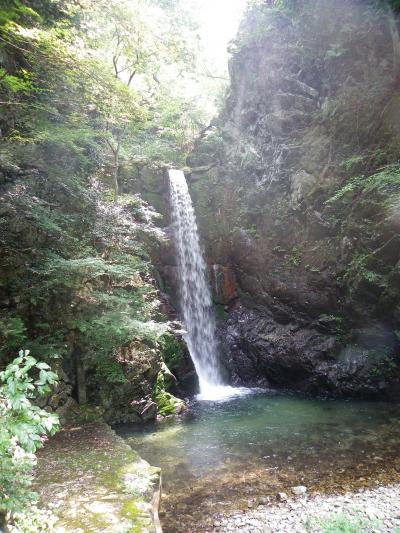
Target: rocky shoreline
(373, 510)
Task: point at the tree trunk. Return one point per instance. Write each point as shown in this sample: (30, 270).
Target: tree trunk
(80, 379)
(116, 168)
(3, 523)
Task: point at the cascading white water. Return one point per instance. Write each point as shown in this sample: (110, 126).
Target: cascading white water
(195, 296)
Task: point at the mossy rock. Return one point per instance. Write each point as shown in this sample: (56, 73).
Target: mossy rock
(95, 482)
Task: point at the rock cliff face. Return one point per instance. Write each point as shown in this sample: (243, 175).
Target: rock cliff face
(297, 190)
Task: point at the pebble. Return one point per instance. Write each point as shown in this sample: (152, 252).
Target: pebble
(299, 490)
(377, 508)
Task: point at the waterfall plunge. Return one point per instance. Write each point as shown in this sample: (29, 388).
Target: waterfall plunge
(195, 296)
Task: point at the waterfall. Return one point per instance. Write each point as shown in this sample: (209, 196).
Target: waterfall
(195, 296)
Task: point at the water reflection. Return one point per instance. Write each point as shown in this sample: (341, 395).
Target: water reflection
(255, 446)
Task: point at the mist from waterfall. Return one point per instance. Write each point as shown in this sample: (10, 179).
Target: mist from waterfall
(195, 295)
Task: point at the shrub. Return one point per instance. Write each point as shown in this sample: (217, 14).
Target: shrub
(342, 523)
(172, 351)
(23, 428)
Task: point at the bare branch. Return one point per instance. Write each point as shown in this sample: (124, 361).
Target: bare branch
(114, 149)
(131, 76)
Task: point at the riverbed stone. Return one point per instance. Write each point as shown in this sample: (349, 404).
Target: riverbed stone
(300, 490)
(368, 510)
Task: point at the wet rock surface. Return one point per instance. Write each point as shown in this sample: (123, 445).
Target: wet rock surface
(294, 352)
(274, 183)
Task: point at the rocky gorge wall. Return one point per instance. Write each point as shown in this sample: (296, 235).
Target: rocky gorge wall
(297, 192)
(76, 289)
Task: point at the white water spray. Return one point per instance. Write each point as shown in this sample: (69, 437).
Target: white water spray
(195, 296)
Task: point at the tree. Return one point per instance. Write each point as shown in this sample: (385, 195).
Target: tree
(146, 55)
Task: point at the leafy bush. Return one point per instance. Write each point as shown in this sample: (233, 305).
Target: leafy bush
(385, 181)
(23, 428)
(33, 520)
(12, 332)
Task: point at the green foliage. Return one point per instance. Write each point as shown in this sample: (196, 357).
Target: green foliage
(382, 364)
(13, 332)
(100, 78)
(74, 272)
(34, 520)
(383, 182)
(334, 324)
(359, 269)
(253, 232)
(108, 370)
(165, 401)
(294, 258)
(171, 350)
(360, 210)
(15, 10)
(16, 84)
(348, 164)
(23, 427)
(83, 276)
(346, 190)
(89, 92)
(25, 421)
(343, 523)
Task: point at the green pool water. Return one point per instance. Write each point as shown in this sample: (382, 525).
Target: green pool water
(230, 454)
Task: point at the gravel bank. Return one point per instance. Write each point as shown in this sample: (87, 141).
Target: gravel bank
(374, 510)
